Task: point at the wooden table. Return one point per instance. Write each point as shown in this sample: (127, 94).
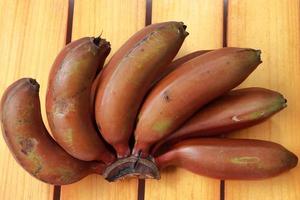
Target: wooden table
(33, 31)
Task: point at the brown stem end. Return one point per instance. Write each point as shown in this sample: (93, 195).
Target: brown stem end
(133, 166)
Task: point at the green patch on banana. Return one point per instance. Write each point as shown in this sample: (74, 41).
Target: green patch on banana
(245, 160)
(272, 108)
(36, 160)
(65, 174)
(162, 126)
(69, 136)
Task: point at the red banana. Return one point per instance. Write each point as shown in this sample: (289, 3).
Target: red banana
(68, 97)
(30, 143)
(229, 158)
(236, 110)
(129, 75)
(185, 90)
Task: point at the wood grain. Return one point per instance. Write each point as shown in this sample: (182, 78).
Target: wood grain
(117, 20)
(114, 20)
(204, 20)
(273, 27)
(32, 33)
(204, 23)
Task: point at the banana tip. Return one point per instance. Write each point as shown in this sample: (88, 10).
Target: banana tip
(284, 102)
(292, 160)
(258, 54)
(98, 41)
(182, 28)
(34, 84)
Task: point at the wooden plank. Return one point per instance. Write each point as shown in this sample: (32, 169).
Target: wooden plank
(32, 33)
(273, 27)
(117, 20)
(204, 23)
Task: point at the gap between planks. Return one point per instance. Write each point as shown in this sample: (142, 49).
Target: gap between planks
(225, 22)
(57, 188)
(148, 21)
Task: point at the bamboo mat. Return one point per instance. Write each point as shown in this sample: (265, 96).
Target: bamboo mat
(33, 32)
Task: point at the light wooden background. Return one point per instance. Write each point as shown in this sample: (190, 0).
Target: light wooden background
(33, 31)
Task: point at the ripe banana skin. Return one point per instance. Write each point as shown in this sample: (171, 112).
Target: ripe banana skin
(94, 90)
(170, 68)
(69, 90)
(229, 158)
(30, 143)
(129, 75)
(235, 110)
(176, 63)
(189, 87)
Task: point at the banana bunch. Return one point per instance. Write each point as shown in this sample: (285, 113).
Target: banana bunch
(143, 112)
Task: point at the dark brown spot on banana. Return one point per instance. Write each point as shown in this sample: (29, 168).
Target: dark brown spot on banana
(27, 144)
